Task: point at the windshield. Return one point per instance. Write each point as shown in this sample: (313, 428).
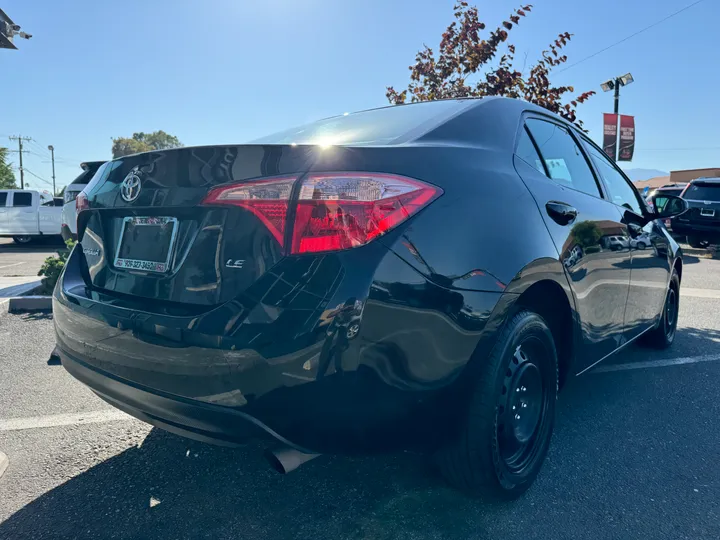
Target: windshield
(376, 126)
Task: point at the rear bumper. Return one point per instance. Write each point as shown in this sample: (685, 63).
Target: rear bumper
(696, 229)
(192, 419)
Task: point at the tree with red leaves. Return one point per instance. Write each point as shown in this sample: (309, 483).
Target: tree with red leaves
(463, 55)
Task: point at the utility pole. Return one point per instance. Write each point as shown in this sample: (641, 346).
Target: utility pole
(52, 153)
(20, 140)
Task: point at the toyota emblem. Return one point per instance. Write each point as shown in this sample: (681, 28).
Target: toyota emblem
(130, 187)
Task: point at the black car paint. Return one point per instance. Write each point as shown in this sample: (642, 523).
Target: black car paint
(205, 347)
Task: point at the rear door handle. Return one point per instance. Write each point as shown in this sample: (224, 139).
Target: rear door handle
(560, 212)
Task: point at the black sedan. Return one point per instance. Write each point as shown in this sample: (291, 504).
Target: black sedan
(424, 275)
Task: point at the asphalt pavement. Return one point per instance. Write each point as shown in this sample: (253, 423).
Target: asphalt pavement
(634, 456)
(26, 259)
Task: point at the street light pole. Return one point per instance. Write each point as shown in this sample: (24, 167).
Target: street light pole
(617, 95)
(52, 154)
(615, 84)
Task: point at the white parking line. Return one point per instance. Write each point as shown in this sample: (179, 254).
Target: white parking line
(14, 264)
(657, 363)
(55, 420)
(700, 293)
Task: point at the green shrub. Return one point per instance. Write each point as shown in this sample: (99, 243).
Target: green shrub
(53, 267)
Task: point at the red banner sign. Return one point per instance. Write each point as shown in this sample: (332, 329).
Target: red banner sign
(610, 134)
(627, 138)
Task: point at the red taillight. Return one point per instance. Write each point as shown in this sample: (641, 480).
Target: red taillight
(268, 199)
(81, 202)
(332, 211)
(346, 210)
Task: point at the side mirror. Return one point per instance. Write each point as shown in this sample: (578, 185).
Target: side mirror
(667, 206)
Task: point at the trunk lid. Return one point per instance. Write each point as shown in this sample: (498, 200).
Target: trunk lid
(147, 235)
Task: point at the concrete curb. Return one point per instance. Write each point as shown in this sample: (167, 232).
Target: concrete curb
(3, 463)
(23, 304)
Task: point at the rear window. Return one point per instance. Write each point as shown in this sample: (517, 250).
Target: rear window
(703, 192)
(86, 175)
(3, 199)
(674, 191)
(376, 126)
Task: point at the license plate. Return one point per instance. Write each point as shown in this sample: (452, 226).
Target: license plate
(146, 243)
(707, 212)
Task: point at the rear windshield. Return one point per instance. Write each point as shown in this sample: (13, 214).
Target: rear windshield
(704, 192)
(86, 175)
(674, 191)
(376, 126)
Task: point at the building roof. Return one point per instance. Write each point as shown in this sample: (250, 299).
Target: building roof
(652, 183)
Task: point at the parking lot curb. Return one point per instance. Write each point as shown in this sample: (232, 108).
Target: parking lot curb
(3, 463)
(22, 304)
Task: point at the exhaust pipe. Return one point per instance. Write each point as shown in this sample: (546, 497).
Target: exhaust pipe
(286, 459)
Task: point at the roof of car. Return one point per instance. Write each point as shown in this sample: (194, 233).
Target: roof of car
(706, 180)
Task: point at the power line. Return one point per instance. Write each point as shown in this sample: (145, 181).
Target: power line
(36, 176)
(630, 36)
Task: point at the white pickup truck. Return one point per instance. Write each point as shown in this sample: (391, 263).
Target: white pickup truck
(26, 214)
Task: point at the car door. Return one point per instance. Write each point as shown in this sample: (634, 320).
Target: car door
(21, 214)
(554, 167)
(648, 243)
(3, 212)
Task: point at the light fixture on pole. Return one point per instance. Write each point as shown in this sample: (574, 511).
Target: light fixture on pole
(615, 84)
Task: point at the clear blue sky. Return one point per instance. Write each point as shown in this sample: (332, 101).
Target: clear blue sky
(227, 71)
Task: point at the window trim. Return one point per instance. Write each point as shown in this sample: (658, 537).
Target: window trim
(640, 201)
(602, 190)
(524, 128)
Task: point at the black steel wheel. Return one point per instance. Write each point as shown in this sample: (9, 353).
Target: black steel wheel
(522, 408)
(504, 437)
(663, 335)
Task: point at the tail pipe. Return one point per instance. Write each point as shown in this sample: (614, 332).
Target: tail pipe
(286, 459)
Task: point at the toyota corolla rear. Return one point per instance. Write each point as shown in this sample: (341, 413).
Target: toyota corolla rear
(214, 289)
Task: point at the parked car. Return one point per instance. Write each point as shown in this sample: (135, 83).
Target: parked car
(27, 214)
(617, 242)
(69, 227)
(675, 189)
(371, 281)
(701, 223)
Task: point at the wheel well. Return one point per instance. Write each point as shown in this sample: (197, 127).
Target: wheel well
(548, 299)
(678, 266)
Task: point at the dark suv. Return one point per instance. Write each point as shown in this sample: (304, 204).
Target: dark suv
(701, 223)
(426, 274)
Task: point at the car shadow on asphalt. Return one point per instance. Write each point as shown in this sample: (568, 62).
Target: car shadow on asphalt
(170, 487)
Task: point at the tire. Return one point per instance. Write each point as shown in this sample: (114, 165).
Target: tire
(696, 243)
(664, 335)
(486, 457)
(22, 239)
